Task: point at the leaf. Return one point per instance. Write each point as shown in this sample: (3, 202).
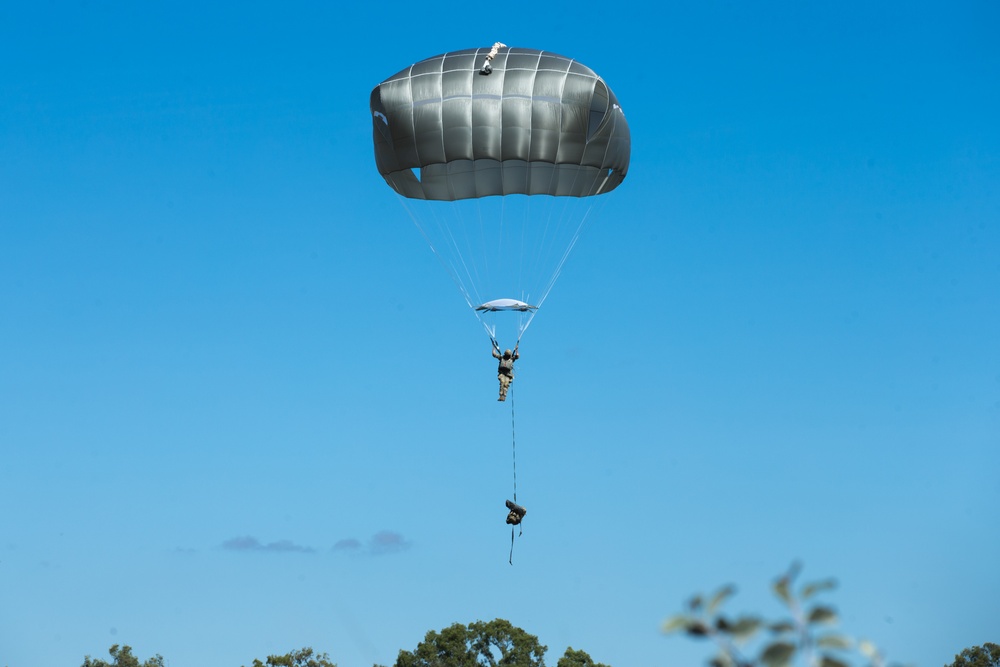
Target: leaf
(674, 623)
(723, 659)
(815, 587)
(781, 626)
(697, 629)
(829, 661)
(720, 596)
(778, 654)
(780, 588)
(835, 641)
(694, 604)
(868, 649)
(745, 627)
(819, 614)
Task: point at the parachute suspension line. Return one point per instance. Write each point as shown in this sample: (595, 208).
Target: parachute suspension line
(468, 269)
(455, 276)
(503, 247)
(483, 267)
(566, 253)
(524, 260)
(532, 250)
(511, 252)
(559, 219)
(508, 251)
(562, 260)
(484, 276)
(501, 225)
(465, 252)
(555, 218)
(491, 330)
(576, 236)
(524, 322)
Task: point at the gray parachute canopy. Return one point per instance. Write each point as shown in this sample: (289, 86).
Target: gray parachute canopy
(540, 123)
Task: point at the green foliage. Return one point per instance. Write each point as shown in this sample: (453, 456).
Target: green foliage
(805, 638)
(122, 657)
(573, 658)
(497, 643)
(302, 658)
(480, 644)
(987, 655)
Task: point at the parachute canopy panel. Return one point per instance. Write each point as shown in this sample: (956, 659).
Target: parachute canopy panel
(540, 123)
(505, 304)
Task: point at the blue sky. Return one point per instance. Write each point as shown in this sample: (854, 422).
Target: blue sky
(244, 410)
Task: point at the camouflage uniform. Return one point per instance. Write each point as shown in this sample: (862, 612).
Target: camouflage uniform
(487, 68)
(505, 371)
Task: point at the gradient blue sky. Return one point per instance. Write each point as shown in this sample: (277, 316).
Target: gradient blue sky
(244, 410)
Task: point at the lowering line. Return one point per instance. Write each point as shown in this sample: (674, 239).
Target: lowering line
(513, 454)
(517, 512)
(513, 445)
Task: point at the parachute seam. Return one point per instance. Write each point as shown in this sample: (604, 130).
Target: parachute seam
(562, 101)
(604, 162)
(444, 150)
(534, 82)
(487, 269)
(413, 126)
(503, 83)
(531, 126)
